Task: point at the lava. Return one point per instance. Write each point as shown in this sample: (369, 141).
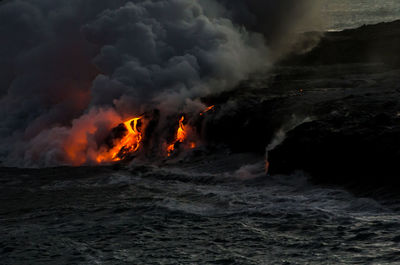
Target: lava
(129, 143)
(127, 137)
(180, 136)
(207, 110)
(182, 133)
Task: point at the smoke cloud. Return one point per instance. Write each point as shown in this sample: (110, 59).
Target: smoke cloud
(71, 69)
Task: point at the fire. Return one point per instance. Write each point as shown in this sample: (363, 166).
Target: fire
(129, 144)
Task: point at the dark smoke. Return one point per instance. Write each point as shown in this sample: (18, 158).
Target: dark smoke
(72, 69)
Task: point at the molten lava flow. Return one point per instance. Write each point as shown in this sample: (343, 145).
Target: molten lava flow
(207, 110)
(129, 144)
(180, 136)
(181, 133)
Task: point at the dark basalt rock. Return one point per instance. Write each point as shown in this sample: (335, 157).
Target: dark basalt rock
(349, 87)
(354, 140)
(116, 133)
(363, 153)
(372, 43)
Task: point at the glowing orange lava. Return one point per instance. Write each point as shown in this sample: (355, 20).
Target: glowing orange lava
(207, 110)
(129, 144)
(180, 136)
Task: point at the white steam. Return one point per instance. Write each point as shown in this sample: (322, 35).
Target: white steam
(281, 134)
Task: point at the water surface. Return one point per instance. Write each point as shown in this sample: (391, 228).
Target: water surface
(342, 14)
(195, 213)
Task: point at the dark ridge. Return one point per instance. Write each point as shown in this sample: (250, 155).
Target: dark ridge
(378, 43)
(348, 86)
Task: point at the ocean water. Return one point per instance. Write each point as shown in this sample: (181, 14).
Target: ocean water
(342, 14)
(207, 211)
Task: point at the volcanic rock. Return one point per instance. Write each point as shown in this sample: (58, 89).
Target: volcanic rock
(372, 43)
(338, 105)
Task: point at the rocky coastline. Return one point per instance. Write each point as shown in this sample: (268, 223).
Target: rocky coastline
(337, 105)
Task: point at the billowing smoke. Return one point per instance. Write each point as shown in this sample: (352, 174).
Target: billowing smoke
(70, 70)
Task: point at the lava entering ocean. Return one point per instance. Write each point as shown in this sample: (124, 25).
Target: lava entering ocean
(181, 135)
(125, 146)
(127, 139)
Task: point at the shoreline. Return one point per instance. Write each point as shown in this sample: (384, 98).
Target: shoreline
(349, 85)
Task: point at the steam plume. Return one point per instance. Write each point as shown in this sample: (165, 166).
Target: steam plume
(71, 69)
